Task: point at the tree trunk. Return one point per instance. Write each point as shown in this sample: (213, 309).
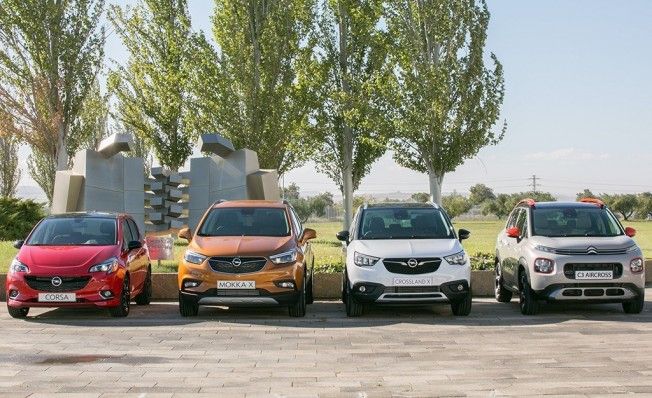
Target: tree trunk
(347, 193)
(436, 181)
(347, 139)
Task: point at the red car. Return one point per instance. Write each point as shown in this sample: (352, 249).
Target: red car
(80, 260)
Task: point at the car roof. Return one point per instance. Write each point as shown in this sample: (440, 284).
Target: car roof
(564, 205)
(274, 204)
(401, 205)
(89, 214)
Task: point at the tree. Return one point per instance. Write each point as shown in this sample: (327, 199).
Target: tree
(319, 203)
(625, 204)
(9, 171)
(154, 88)
(645, 204)
(505, 203)
(481, 193)
(586, 193)
(447, 100)
(50, 54)
(254, 90)
(91, 127)
(350, 75)
(456, 204)
(421, 197)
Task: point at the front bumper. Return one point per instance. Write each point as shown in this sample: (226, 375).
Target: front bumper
(253, 298)
(591, 292)
(375, 293)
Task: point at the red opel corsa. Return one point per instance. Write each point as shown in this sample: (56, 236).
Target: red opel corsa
(80, 260)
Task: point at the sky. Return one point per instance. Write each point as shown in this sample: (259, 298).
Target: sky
(578, 102)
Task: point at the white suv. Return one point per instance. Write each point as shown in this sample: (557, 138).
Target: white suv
(405, 253)
(568, 252)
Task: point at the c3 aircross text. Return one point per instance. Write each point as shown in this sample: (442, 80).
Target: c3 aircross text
(405, 253)
(247, 253)
(568, 252)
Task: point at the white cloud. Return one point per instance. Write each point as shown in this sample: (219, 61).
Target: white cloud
(566, 154)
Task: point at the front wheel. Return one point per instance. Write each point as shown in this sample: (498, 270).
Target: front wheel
(353, 308)
(527, 300)
(501, 293)
(310, 295)
(145, 297)
(18, 312)
(188, 306)
(298, 309)
(635, 306)
(462, 307)
(122, 310)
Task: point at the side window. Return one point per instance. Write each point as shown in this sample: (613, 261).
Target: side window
(295, 220)
(134, 229)
(126, 235)
(521, 223)
(354, 225)
(511, 221)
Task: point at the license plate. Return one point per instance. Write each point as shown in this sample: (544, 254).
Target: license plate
(412, 281)
(236, 284)
(57, 297)
(594, 274)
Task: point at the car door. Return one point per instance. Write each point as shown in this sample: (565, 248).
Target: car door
(518, 245)
(140, 260)
(127, 255)
(306, 248)
(506, 250)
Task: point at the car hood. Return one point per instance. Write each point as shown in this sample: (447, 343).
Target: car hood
(385, 248)
(241, 245)
(77, 259)
(581, 242)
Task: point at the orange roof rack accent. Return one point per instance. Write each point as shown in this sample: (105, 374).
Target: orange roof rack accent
(528, 201)
(595, 201)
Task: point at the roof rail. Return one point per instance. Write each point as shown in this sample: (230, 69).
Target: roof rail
(528, 201)
(217, 202)
(285, 201)
(595, 201)
(435, 205)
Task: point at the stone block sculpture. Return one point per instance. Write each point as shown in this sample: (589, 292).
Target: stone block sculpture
(106, 180)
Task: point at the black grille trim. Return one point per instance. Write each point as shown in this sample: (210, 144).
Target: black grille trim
(585, 252)
(400, 265)
(248, 264)
(68, 284)
(569, 269)
(411, 289)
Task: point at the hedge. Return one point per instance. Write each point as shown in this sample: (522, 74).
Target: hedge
(18, 217)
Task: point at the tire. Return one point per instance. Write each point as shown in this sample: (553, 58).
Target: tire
(634, 306)
(344, 287)
(188, 306)
(298, 309)
(310, 297)
(462, 307)
(18, 312)
(527, 300)
(353, 308)
(145, 297)
(122, 310)
(501, 293)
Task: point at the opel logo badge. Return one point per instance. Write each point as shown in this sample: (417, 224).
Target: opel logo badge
(236, 262)
(56, 281)
(412, 263)
(591, 250)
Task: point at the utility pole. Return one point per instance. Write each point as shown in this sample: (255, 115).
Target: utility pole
(534, 179)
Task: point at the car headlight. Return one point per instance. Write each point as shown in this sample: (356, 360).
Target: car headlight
(458, 258)
(362, 260)
(194, 258)
(544, 265)
(544, 249)
(636, 265)
(286, 257)
(108, 266)
(16, 266)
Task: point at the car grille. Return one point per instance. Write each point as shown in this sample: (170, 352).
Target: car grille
(592, 251)
(247, 264)
(68, 284)
(411, 289)
(237, 292)
(423, 266)
(569, 269)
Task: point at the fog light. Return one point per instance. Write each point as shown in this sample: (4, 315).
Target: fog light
(13, 294)
(636, 265)
(544, 265)
(106, 294)
(187, 284)
(460, 287)
(285, 284)
(362, 289)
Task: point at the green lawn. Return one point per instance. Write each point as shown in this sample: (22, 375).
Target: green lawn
(328, 249)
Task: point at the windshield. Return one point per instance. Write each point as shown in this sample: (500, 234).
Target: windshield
(245, 221)
(405, 223)
(569, 221)
(74, 231)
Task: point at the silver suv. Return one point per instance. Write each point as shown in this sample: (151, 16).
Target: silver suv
(568, 251)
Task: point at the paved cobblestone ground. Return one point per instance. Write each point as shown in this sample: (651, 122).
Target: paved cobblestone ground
(573, 350)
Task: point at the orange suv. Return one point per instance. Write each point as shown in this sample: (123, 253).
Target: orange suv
(247, 253)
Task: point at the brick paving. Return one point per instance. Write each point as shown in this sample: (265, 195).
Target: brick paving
(566, 350)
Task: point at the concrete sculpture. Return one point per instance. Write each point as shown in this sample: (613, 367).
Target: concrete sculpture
(106, 180)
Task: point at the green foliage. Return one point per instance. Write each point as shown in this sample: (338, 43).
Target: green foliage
(9, 170)
(320, 203)
(504, 203)
(255, 91)
(456, 204)
(586, 193)
(645, 204)
(91, 127)
(154, 88)
(447, 100)
(421, 197)
(624, 204)
(307, 207)
(50, 54)
(481, 193)
(18, 217)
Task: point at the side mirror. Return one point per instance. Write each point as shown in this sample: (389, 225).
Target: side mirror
(343, 236)
(463, 234)
(18, 244)
(308, 234)
(514, 232)
(185, 233)
(631, 232)
(134, 244)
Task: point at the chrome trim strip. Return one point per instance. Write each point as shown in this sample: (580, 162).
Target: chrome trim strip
(237, 301)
